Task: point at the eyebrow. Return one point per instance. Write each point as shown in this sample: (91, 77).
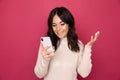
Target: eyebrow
(59, 22)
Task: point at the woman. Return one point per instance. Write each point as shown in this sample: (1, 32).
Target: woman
(70, 56)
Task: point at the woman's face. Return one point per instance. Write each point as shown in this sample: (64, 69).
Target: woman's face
(59, 27)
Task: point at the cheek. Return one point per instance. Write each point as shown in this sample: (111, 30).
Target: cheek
(66, 29)
(54, 29)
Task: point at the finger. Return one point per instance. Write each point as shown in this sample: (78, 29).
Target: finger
(50, 55)
(51, 52)
(91, 37)
(47, 47)
(97, 34)
(46, 54)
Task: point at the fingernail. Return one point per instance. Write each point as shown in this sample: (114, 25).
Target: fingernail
(98, 32)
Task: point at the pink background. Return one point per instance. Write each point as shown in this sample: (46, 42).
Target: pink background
(23, 22)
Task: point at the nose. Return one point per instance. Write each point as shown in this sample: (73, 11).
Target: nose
(58, 27)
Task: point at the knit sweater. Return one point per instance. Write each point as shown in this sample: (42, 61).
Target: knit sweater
(65, 64)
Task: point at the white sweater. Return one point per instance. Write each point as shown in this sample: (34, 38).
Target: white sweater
(65, 64)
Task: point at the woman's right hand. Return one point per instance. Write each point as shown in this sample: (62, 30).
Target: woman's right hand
(45, 53)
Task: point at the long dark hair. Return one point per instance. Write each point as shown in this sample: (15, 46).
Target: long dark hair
(65, 15)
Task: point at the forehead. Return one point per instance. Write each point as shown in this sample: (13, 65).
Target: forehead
(56, 19)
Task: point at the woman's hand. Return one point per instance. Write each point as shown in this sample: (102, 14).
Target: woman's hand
(46, 54)
(93, 39)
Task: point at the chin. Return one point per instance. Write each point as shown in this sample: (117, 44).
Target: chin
(61, 37)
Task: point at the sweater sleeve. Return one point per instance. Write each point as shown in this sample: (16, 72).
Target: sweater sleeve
(84, 61)
(41, 67)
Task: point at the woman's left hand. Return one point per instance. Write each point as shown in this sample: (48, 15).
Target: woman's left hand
(93, 39)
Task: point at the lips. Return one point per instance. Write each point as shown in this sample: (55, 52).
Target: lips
(59, 33)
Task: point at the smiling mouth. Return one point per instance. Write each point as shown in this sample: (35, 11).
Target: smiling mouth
(59, 33)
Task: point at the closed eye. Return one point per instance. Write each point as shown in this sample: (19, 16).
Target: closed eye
(62, 24)
(54, 25)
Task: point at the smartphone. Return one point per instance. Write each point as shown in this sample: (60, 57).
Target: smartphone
(46, 42)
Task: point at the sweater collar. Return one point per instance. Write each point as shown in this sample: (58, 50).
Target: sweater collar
(64, 39)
